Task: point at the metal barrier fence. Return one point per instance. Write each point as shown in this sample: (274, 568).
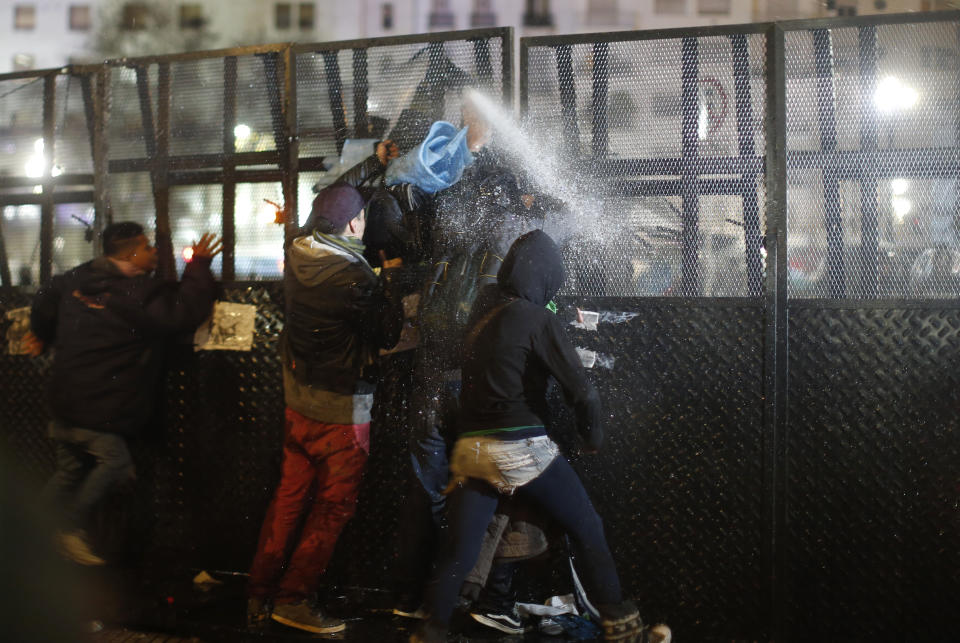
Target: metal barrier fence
(763, 216)
(191, 142)
(779, 240)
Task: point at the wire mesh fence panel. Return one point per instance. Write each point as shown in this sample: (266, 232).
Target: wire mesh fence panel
(72, 235)
(391, 91)
(21, 116)
(21, 235)
(258, 112)
(131, 197)
(875, 107)
(259, 248)
(132, 109)
(655, 149)
(197, 107)
(73, 133)
(194, 211)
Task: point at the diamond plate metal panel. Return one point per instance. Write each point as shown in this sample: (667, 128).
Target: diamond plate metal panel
(872, 518)
(222, 439)
(678, 481)
(23, 382)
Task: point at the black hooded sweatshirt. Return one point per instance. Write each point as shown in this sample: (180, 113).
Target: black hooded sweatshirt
(514, 344)
(108, 332)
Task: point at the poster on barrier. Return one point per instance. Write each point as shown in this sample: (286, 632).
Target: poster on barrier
(230, 328)
(19, 319)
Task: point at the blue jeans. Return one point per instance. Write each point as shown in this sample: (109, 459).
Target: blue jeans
(559, 493)
(88, 464)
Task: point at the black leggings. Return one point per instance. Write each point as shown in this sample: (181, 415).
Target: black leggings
(560, 494)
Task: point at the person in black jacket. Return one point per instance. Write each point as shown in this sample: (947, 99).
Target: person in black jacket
(339, 314)
(514, 344)
(107, 321)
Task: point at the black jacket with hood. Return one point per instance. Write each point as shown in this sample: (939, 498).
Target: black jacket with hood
(514, 344)
(339, 315)
(108, 332)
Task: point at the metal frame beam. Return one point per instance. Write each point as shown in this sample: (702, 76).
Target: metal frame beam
(746, 133)
(229, 201)
(47, 201)
(827, 118)
(776, 339)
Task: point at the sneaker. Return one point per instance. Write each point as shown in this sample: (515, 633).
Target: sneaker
(509, 623)
(406, 612)
(303, 616)
(74, 545)
(658, 633)
(258, 613)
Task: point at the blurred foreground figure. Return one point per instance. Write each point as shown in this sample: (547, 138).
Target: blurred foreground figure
(107, 321)
(514, 343)
(339, 314)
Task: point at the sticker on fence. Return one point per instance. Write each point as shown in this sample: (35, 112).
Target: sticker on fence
(230, 328)
(19, 327)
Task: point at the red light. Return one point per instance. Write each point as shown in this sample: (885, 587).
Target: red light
(188, 254)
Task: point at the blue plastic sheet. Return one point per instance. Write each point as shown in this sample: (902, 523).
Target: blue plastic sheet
(435, 164)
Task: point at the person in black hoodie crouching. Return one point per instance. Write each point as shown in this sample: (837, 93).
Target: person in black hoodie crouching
(107, 321)
(513, 345)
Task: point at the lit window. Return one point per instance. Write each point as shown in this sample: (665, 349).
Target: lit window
(191, 16)
(713, 7)
(602, 12)
(483, 15)
(538, 14)
(386, 16)
(670, 6)
(306, 15)
(282, 15)
(135, 16)
(79, 17)
(22, 62)
(440, 15)
(24, 17)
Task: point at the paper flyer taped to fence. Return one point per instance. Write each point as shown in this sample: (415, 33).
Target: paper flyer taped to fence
(19, 326)
(230, 328)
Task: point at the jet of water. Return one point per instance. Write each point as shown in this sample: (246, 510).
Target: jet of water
(552, 175)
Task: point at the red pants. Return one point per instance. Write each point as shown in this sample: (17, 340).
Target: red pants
(322, 467)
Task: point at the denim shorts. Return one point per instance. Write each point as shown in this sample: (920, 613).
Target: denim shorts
(505, 464)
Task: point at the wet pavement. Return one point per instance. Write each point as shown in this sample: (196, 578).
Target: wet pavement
(180, 611)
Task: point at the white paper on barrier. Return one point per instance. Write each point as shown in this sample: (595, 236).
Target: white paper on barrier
(230, 328)
(19, 326)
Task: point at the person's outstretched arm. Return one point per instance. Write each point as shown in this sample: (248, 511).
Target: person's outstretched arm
(554, 348)
(177, 306)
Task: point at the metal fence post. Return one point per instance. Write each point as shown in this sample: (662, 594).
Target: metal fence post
(775, 358)
(291, 162)
(46, 207)
(229, 228)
